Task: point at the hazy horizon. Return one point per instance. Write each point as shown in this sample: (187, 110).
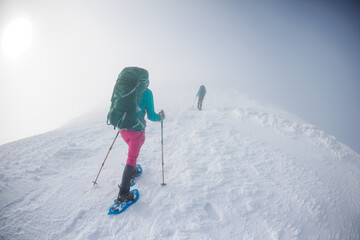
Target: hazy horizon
(301, 56)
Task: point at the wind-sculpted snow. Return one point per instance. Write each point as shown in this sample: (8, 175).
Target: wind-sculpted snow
(293, 129)
(235, 170)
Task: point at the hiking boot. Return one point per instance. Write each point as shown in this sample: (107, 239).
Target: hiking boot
(135, 173)
(124, 192)
(124, 195)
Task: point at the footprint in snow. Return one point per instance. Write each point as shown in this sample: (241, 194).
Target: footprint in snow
(211, 211)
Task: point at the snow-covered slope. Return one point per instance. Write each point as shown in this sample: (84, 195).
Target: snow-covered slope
(235, 170)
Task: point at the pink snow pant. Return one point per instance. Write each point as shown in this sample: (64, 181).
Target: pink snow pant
(134, 139)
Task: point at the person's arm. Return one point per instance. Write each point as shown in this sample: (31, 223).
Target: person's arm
(149, 106)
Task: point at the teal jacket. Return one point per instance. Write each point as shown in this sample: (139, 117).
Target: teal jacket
(202, 91)
(147, 108)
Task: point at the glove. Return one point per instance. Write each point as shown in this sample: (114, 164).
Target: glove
(162, 113)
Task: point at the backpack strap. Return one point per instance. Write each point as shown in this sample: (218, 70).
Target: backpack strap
(121, 120)
(131, 91)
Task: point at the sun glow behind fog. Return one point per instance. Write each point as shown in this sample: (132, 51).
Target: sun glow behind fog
(16, 37)
(62, 63)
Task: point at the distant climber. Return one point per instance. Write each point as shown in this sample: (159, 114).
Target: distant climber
(201, 94)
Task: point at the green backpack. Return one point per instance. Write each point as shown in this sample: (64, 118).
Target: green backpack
(125, 101)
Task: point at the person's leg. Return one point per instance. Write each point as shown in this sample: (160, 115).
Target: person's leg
(200, 102)
(124, 135)
(135, 140)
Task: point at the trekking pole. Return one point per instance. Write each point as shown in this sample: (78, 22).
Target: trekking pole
(194, 102)
(105, 158)
(162, 153)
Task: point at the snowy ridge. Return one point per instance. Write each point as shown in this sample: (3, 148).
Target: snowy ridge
(235, 170)
(294, 129)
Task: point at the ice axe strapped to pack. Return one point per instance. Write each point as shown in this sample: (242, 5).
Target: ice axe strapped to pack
(130, 85)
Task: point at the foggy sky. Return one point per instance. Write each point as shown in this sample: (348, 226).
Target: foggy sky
(300, 56)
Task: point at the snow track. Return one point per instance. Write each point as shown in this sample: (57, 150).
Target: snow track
(237, 172)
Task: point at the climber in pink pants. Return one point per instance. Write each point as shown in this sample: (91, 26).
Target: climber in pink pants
(134, 136)
(134, 139)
